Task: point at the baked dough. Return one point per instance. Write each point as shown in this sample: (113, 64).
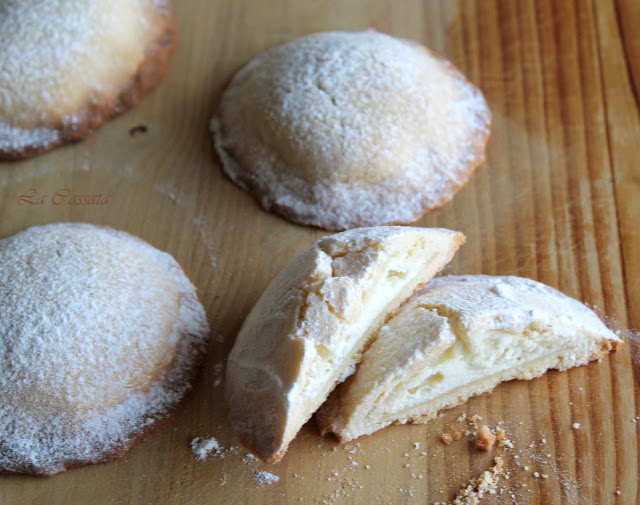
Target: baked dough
(459, 337)
(67, 66)
(100, 335)
(347, 129)
(307, 330)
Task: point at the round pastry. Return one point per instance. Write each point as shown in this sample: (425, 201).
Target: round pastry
(348, 129)
(100, 335)
(68, 66)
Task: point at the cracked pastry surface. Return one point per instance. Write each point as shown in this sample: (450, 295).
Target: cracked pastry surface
(310, 325)
(100, 334)
(458, 337)
(67, 66)
(347, 129)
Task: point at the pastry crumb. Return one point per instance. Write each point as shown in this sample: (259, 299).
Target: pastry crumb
(485, 439)
(446, 438)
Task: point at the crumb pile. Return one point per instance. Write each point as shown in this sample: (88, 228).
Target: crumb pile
(486, 482)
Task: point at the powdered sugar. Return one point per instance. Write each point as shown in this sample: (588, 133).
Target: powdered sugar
(100, 332)
(508, 302)
(13, 138)
(265, 478)
(351, 129)
(201, 447)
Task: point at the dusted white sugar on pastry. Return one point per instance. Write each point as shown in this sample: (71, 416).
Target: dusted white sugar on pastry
(100, 334)
(347, 129)
(458, 337)
(307, 330)
(67, 66)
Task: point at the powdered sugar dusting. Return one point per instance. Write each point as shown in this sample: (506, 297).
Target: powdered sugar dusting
(13, 138)
(351, 129)
(509, 302)
(100, 331)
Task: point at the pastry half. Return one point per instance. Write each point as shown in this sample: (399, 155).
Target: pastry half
(347, 129)
(69, 66)
(309, 327)
(100, 336)
(458, 337)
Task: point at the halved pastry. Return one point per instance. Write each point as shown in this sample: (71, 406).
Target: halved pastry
(308, 329)
(458, 337)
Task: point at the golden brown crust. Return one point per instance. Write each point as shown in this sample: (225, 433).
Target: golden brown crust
(151, 71)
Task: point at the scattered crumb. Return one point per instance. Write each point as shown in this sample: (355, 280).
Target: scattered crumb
(474, 421)
(248, 458)
(201, 447)
(265, 478)
(446, 438)
(456, 435)
(485, 439)
(218, 373)
(618, 491)
(575, 426)
(138, 130)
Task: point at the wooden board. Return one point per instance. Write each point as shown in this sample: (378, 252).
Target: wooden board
(558, 200)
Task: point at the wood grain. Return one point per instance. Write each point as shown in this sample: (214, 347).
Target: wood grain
(558, 200)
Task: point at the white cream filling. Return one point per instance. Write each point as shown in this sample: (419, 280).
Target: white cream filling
(401, 271)
(464, 363)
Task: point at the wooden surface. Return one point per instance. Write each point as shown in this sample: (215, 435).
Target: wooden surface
(558, 200)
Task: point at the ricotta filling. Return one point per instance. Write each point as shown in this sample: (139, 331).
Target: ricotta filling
(401, 271)
(468, 361)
